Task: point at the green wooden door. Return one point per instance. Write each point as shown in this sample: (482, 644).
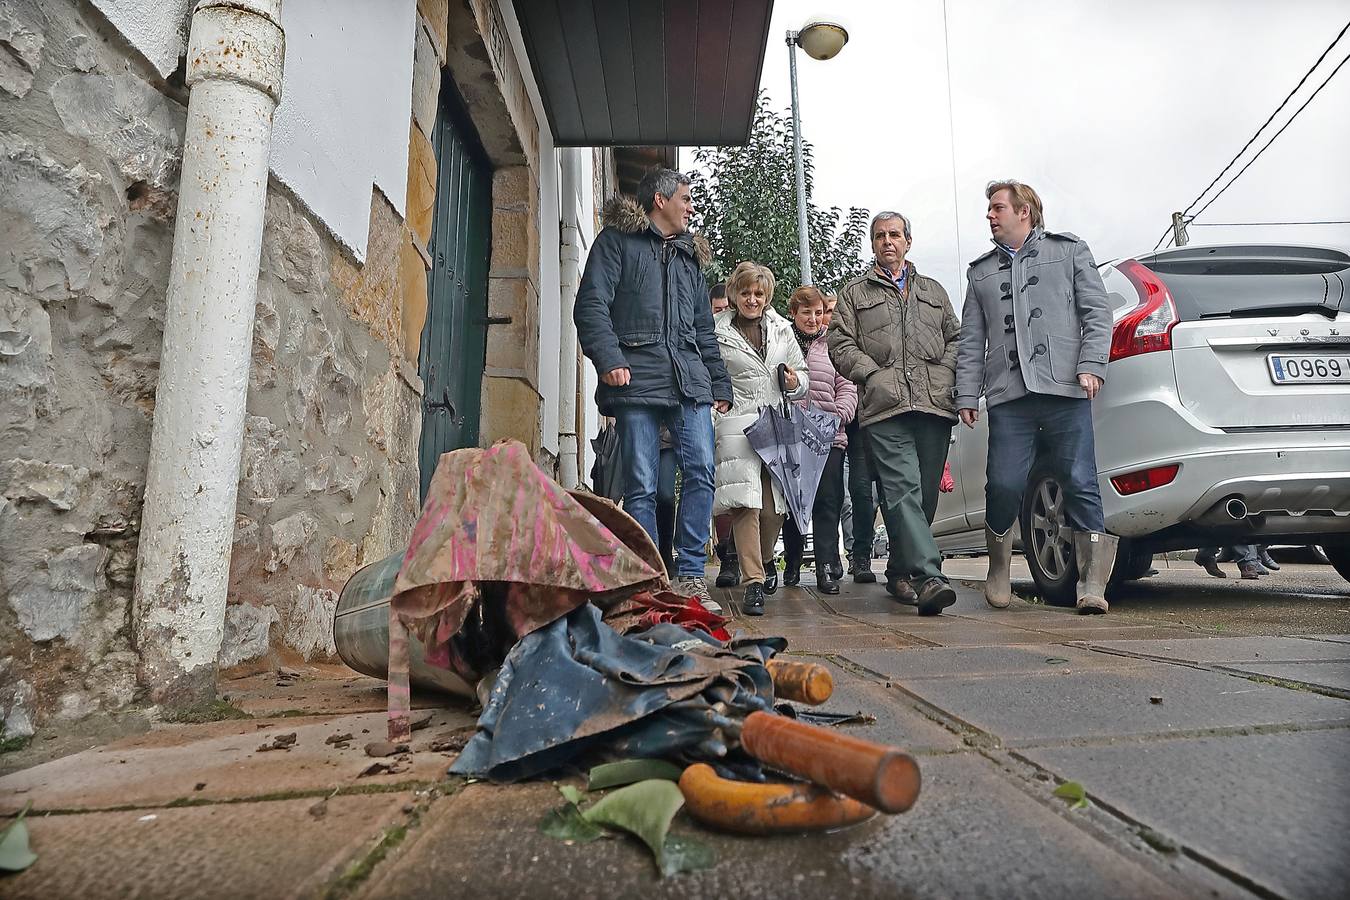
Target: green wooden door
(454, 339)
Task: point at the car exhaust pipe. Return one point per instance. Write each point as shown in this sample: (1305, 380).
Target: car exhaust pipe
(1229, 513)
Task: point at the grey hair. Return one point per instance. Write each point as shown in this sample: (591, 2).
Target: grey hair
(882, 217)
(659, 181)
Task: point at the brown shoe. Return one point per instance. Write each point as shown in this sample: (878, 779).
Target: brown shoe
(1212, 567)
(902, 590)
(934, 596)
(1249, 571)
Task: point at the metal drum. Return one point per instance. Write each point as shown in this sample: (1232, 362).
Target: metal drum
(361, 631)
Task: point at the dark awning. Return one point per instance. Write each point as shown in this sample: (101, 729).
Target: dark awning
(646, 72)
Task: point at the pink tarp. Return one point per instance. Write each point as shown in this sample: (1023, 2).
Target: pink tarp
(493, 516)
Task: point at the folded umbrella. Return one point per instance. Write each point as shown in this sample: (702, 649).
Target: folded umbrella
(794, 444)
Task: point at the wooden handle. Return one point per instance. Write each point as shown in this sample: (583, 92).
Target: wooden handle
(768, 808)
(800, 682)
(877, 775)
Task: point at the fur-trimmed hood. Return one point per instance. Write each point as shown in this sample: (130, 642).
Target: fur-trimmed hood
(623, 213)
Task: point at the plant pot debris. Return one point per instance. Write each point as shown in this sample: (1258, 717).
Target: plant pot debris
(556, 604)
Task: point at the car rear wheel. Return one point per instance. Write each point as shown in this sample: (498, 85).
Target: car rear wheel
(1339, 557)
(1047, 540)
(1131, 564)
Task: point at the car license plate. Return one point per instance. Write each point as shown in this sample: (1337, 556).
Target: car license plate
(1308, 369)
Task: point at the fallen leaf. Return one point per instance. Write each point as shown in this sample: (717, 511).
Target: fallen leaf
(566, 823)
(420, 721)
(644, 809)
(199, 786)
(631, 771)
(338, 738)
(571, 794)
(15, 855)
(682, 853)
(1074, 793)
(320, 809)
(384, 748)
(1056, 660)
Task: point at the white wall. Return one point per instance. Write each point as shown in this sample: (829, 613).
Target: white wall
(346, 98)
(550, 301)
(158, 30)
(346, 107)
(550, 298)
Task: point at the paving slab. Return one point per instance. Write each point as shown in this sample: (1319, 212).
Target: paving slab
(231, 851)
(944, 662)
(1116, 703)
(952, 631)
(223, 758)
(899, 722)
(835, 643)
(1332, 675)
(1271, 807)
(958, 841)
(1233, 649)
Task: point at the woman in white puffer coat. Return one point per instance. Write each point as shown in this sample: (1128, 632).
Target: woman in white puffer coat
(754, 341)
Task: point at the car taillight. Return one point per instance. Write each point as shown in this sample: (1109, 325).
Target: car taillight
(1144, 480)
(1147, 327)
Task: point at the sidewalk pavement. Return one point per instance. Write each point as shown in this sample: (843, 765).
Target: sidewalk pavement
(1215, 766)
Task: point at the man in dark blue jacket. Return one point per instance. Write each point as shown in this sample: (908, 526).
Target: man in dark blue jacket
(644, 320)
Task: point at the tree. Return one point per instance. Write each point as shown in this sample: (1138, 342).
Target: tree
(746, 202)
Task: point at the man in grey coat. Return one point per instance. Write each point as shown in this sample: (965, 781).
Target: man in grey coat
(1035, 339)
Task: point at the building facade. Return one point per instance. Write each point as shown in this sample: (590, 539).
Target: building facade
(423, 233)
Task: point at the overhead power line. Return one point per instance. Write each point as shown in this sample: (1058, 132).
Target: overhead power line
(1240, 224)
(1264, 125)
(1276, 135)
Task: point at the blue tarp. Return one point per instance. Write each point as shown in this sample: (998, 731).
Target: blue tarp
(576, 687)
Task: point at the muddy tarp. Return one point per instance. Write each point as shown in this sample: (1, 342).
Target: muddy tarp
(577, 688)
(499, 550)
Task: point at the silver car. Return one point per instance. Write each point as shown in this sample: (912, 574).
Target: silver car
(1225, 417)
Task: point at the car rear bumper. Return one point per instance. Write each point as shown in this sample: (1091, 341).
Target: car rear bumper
(1291, 482)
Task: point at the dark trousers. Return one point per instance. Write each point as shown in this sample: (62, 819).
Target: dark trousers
(861, 477)
(908, 451)
(726, 544)
(824, 518)
(1243, 554)
(1059, 429)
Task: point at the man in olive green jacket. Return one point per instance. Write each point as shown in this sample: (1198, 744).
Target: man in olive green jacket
(894, 335)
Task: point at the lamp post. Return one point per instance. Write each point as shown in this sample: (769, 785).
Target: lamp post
(820, 40)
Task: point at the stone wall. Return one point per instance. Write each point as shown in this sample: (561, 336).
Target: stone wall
(90, 143)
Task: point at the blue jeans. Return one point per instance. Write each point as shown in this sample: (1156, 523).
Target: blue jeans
(1061, 429)
(691, 433)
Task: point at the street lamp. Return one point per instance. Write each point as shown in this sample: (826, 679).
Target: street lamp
(820, 40)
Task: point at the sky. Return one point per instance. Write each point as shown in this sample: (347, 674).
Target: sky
(1117, 113)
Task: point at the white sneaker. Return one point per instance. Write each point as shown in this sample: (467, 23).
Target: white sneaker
(695, 586)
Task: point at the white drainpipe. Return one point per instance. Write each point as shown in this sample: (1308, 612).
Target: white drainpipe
(234, 63)
(569, 466)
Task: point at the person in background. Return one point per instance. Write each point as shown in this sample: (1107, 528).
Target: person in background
(1247, 557)
(895, 337)
(643, 318)
(836, 395)
(756, 343)
(1035, 335)
(729, 571)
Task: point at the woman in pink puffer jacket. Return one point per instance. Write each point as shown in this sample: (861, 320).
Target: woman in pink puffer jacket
(837, 396)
